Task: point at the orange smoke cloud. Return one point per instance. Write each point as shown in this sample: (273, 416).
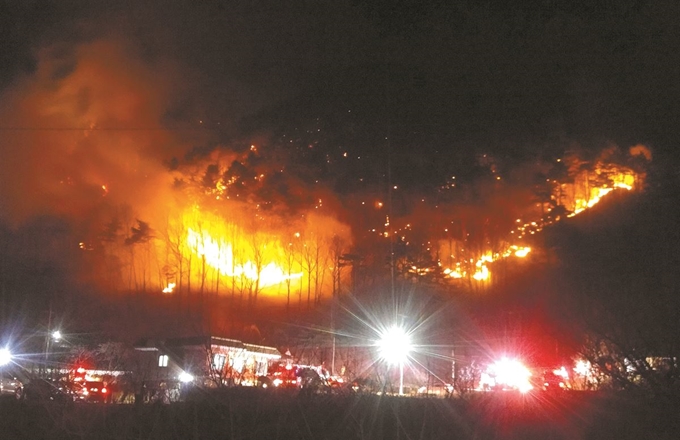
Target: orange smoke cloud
(85, 137)
(84, 129)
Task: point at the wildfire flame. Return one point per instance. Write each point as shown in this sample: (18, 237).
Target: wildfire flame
(481, 271)
(597, 195)
(583, 191)
(219, 255)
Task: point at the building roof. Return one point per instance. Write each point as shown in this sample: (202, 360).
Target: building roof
(226, 342)
(205, 341)
(147, 344)
(270, 352)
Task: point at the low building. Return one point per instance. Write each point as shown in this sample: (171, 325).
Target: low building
(202, 360)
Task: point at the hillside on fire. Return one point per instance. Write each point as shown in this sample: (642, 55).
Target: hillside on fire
(224, 236)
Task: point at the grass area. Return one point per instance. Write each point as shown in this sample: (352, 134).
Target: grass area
(258, 414)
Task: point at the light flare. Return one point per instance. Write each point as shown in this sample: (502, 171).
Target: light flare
(5, 356)
(510, 373)
(583, 368)
(185, 377)
(562, 372)
(394, 345)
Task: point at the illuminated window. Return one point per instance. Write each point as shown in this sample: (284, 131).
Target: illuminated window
(237, 364)
(218, 361)
(163, 360)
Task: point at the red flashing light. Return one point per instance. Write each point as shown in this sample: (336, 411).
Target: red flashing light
(104, 390)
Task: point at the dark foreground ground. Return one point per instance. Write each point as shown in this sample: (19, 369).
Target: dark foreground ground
(257, 414)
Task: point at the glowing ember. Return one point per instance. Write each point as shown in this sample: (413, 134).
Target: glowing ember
(482, 272)
(169, 288)
(455, 273)
(522, 252)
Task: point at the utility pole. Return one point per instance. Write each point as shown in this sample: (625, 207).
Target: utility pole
(48, 338)
(333, 335)
(389, 210)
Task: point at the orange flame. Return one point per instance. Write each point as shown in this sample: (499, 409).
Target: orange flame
(585, 190)
(219, 255)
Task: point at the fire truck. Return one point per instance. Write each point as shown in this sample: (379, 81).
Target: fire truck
(307, 378)
(283, 375)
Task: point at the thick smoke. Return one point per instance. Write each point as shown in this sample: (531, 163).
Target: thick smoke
(86, 128)
(112, 140)
(113, 93)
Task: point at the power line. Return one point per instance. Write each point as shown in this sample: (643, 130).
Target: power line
(108, 128)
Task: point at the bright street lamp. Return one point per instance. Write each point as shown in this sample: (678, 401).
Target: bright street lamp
(5, 356)
(185, 377)
(394, 346)
(50, 337)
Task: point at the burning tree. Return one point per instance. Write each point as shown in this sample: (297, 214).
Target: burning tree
(469, 236)
(244, 248)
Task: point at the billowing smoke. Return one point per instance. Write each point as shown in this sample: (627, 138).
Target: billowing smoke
(85, 128)
(109, 140)
(108, 95)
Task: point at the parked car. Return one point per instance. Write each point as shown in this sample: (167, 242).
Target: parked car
(69, 388)
(10, 385)
(96, 392)
(554, 382)
(280, 376)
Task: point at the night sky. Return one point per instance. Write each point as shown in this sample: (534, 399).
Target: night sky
(436, 77)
